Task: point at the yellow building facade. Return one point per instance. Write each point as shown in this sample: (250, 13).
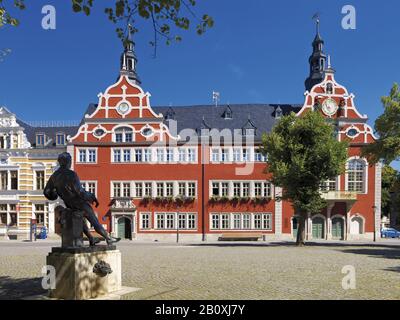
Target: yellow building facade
(28, 157)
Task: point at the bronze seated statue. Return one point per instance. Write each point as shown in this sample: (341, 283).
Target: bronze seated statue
(65, 183)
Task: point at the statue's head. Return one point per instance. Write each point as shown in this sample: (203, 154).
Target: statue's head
(65, 160)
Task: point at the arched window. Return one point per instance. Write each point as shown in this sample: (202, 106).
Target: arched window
(356, 175)
(124, 134)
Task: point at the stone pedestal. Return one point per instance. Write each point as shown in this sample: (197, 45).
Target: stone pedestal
(86, 272)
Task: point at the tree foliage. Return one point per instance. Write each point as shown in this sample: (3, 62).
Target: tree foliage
(163, 15)
(302, 153)
(5, 16)
(387, 126)
(390, 187)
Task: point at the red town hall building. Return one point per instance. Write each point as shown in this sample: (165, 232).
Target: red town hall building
(197, 173)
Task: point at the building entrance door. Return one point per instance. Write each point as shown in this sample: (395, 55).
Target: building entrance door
(318, 229)
(124, 228)
(337, 228)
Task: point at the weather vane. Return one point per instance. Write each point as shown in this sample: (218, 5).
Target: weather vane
(317, 17)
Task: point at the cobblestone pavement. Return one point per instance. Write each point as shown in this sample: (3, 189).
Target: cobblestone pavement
(227, 270)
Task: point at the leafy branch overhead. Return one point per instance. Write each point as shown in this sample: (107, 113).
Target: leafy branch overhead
(5, 16)
(163, 15)
(387, 126)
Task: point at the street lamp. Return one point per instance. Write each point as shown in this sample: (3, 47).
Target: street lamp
(177, 222)
(375, 208)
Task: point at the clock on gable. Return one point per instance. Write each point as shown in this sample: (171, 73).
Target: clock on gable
(123, 108)
(329, 107)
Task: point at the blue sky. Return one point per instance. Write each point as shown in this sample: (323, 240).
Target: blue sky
(256, 53)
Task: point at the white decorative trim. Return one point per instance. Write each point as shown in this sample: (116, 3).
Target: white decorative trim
(278, 212)
(378, 197)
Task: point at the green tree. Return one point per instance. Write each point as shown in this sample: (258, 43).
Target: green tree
(162, 15)
(387, 126)
(302, 153)
(390, 185)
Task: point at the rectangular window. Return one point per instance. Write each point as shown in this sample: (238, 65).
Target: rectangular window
(237, 221)
(39, 213)
(182, 221)
(267, 191)
(3, 214)
(191, 189)
(82, 156)
(4, 180)
(116, 190)
(126, 188)
(128, 137)
(258, 156)
(148, 189)
(182, 155)
(215, 189)
(215, 222)
(237, 155)
(145, 221)
(182, 189)
(246, 189)
(246, 155)
(139, 190)
(146, 155)
(224, 221)
(92, 156)
(13, 219)
(191, 221)
(225, 155)
(236, 189)
(119, 137)
(215, 155)
(160, 155)
(267, 221)
(258, 221)
(14, 180)
(191, 155)
(117, 156)
(127, 155)
(138, 155)
(40, 177)
(160, 222)
(169, 189)
(170, 155)
(258, 189)
(170, 221)
(91, 187)
(40, 139)
(60, 139)
(160, 189)
(246, 221)
(224, 189)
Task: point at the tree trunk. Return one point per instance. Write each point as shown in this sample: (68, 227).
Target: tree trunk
(301, 232)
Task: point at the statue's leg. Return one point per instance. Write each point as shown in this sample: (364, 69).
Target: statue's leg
(86, 231)
(91, 217)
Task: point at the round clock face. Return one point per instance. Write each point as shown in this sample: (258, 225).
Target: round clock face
(329, 107)
(123, 108)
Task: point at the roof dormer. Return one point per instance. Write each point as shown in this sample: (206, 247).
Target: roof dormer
(228, 114)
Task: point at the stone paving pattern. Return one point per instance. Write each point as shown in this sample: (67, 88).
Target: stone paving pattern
(226, 270)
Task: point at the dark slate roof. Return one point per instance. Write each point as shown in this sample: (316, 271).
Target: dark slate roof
(50, 133)
(261, 116)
